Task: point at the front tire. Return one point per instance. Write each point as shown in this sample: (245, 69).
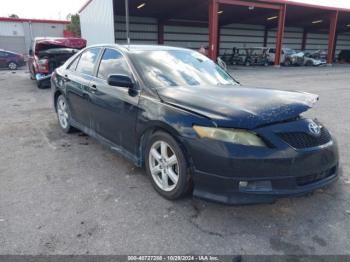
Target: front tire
(167, 167)
(63, 114)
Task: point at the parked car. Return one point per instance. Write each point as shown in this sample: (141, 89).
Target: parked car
(344, 56)
(192, 126)
(311, 60)
(49, 53)
(289, 57)
(320, 55)
(11, 60)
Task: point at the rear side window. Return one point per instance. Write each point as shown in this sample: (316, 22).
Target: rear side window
(74, 64)
(112, 62)
(87, 61)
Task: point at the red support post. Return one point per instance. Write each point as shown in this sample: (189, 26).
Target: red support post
(160, 33)
(303, 42)
(213, 29)
(331, 36)
(280, 34)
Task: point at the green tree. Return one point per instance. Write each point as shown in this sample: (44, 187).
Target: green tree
(74, 25)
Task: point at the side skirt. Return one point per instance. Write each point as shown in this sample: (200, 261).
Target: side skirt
(115, 148)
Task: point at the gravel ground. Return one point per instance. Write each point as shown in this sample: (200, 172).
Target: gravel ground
(67, 194)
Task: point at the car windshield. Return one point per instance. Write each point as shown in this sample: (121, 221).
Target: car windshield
(171, 68)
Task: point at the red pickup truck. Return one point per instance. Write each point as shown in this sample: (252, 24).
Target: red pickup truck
(49, 53)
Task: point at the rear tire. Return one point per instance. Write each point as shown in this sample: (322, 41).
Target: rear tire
(167, 167)
(63, 114)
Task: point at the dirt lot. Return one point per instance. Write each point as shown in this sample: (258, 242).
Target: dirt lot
(66, 194)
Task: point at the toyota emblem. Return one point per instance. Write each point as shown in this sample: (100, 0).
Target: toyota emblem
(314, 129)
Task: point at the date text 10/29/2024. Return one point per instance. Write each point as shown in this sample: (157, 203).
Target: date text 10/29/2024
(173, 258)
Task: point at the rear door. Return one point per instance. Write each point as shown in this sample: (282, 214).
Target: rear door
(77, 82)
(115, 108)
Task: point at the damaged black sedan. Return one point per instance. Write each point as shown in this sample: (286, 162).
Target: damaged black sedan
(192, 126)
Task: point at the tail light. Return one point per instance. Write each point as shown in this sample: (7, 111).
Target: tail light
(43, 66)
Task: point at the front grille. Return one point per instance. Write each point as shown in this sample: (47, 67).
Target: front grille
(306, 180)
(301, 140)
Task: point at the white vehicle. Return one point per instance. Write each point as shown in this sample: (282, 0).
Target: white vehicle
(310, 60)
(288, 57)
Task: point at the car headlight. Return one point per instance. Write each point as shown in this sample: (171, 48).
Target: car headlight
(235, 136)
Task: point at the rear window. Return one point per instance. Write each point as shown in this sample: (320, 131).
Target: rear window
(87, 61)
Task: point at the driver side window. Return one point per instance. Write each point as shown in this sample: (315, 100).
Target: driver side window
(112, 63)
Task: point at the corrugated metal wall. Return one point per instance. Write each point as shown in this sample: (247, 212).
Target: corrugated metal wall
(343, 42)
(97, 22)
(239, 36)
(292, 38)
(316, 41)
(143, 30)
(185, 36)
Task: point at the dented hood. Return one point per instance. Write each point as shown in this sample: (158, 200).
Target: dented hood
(239, 107)
(47, 43)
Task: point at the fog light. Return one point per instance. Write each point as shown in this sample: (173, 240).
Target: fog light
(255, 186)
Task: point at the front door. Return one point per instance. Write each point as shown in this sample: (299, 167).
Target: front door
(115, 108)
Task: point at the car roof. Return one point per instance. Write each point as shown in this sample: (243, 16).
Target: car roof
(132, 48)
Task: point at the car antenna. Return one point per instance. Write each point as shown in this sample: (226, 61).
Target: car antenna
(127, 23)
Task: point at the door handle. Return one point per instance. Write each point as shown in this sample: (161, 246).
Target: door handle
(93, 88)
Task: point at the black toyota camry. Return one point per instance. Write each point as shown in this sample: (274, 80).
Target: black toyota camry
(192, 126)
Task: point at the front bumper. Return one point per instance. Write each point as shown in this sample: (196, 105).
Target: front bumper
(234, 174)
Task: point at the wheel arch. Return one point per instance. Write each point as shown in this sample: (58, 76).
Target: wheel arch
(154, 127)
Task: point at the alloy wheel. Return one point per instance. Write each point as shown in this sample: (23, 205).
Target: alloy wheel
(164, 166)
(12, 66)
(62, 113)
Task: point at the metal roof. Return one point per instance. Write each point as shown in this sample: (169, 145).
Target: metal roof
(21, 20)
(195, 12)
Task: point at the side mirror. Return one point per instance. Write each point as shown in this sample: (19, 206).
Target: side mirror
(120, 80)
(30, 52)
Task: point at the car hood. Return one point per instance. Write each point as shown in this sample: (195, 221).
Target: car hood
(239, 107)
